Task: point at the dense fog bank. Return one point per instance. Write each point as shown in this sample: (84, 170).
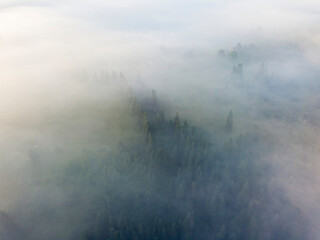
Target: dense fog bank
(159, 120)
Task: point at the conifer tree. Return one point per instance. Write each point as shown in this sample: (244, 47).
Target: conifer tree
(176, 121)
(229, 122)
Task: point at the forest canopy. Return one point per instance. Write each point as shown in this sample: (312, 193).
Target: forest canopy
(169, 181)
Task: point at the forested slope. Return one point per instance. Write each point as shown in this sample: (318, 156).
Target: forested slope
(171, 182)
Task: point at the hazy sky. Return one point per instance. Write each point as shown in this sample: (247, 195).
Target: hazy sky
(41, 39)
(152, 22)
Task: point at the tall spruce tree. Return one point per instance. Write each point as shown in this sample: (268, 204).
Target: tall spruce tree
(229, 122)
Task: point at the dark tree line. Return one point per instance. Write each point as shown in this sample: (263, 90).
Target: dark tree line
(172, 183)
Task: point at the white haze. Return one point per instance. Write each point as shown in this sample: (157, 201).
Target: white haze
(172, 45)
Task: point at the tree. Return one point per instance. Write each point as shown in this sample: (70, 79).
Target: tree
(176, 121)
(229, 123)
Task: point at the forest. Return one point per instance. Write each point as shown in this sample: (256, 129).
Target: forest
(159, 120)
(170, 181)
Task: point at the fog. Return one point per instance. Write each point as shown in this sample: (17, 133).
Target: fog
(69, 69)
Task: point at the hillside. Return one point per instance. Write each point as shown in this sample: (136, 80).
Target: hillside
(169, 181)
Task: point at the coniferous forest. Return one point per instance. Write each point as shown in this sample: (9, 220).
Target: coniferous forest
(159, 120)
(171, 182)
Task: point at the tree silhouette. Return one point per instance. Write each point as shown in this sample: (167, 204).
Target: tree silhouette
(229, 122)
